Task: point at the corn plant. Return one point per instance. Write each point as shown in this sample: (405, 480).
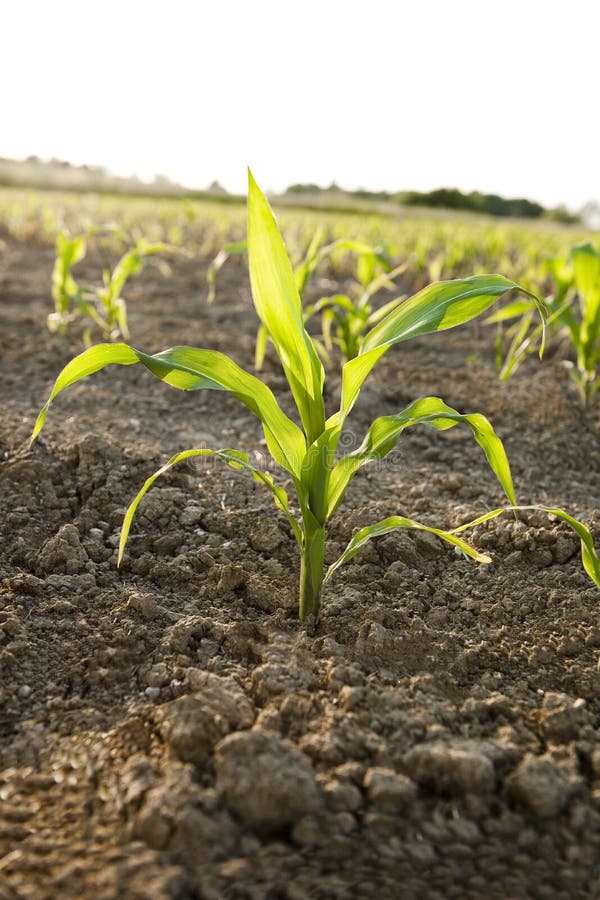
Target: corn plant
(66, 293)
(521, 337)
(103, 305)
(346, 318)
(584, 329)
(573, 312)
(307, 451)
(518, 332)
(235, 248)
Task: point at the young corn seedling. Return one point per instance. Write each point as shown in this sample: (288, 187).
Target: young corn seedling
(103, 305)
(345, 319)
(113, 316)
(66, 293)
(236, 248)
(307, 451)
(584, 329)
(518, 332)
(573, 312)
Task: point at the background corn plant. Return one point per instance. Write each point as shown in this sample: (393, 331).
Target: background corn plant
(573, 318)
(345, 318)
(307, 451)
(102, 305)
(66, 293)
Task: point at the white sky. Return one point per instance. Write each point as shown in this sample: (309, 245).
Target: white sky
(501, 97)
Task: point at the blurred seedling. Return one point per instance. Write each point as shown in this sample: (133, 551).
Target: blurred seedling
(573, 316)
(102, 305)
(345, 318)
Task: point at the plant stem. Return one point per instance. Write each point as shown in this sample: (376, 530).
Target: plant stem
(311, 572)
(588, 390)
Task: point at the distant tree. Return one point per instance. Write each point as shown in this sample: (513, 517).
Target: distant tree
(566, 217)
(492, 204)
(525, 209)
(303, 189)
(364, 194)
(445, 198)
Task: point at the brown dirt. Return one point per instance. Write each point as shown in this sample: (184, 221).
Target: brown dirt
(170, 730)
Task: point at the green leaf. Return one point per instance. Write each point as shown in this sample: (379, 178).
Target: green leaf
(383, 281)
(380, 313)
(130, 263)
(313, 489)
(260, 347)
(562, 272)
(278, 305)
(341, 301)
(190, 369)
(586, 270)
(236, 248)
(69, 252)
(521, 345)
(439, 306)
(326, 323)
(589, 557)
(391, 524)
(85, 364)
(304, 269)
(442, 305)
(236, 460)
(354, 373)
(385, 431)
(315, 255)
(512, 311)
(120, 310)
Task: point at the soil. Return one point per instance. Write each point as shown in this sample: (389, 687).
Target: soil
(170, 730)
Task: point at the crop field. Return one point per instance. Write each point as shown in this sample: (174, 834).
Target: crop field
(298, 589)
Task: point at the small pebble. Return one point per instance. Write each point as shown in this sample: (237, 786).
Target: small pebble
(152, 693)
